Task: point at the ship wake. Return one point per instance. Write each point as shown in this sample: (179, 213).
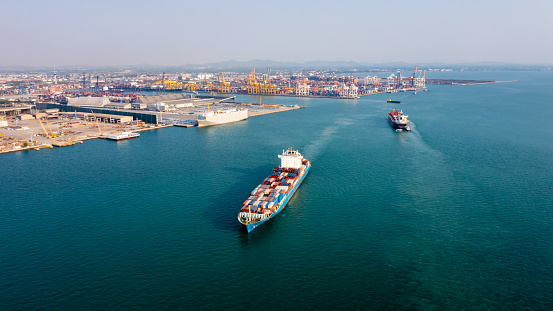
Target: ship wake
(314, 148)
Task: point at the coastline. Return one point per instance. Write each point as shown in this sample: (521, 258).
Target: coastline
(15, 141)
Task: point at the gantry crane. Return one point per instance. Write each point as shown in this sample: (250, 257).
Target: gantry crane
(191, 87)
(207, 85)
(224, 87)
(255, 87)
(169, 84)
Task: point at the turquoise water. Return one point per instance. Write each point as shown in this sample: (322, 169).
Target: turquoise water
(456, 214)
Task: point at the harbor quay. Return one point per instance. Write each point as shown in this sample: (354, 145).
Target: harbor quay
(57, 111)
(48, 125)
(132, 86)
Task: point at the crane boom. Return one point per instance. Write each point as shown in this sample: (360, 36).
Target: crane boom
(50, 128)
(45, 132)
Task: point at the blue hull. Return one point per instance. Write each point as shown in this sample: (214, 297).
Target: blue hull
(250, 227)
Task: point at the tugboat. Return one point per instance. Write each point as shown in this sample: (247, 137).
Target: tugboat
(398, 120)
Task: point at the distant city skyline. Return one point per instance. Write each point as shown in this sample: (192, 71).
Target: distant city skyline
(174, 33)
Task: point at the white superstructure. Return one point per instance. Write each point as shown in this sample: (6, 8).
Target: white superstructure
(290, 159)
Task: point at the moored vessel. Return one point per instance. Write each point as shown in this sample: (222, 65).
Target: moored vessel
(269, 198)
(221, 117)
(398, 120)
(123, 136)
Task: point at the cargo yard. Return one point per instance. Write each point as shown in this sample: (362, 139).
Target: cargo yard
(128, 87)
(304, 84)
(25, 127)
(27, 132)
(57, 109)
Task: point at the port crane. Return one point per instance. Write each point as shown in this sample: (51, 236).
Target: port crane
(223, 85)
(253, 85)
(97, 123)
(84, 81)
(50, 128)
(167, 84)
(262, 88)
(43, 128)
(191, 87)
(207, 85)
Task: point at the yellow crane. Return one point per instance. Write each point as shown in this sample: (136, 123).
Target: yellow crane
(168, 84)
(191, 87)
(268, 88)
(261, 88)
(45, 132)
(224, 87)
(253, 85)
(48, 123)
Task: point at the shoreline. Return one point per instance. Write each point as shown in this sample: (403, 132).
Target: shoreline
(42, 141)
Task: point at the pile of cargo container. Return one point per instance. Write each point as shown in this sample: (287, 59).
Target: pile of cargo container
(265, 199)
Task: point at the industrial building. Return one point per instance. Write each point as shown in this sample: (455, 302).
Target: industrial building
(147, 117)
(10, 111)
(89, 101)
(101, 117)
(166, 102)
(118, 105)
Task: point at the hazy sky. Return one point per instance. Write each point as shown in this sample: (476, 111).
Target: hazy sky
(167, 32)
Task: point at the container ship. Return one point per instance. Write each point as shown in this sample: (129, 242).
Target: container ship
(269, 198)
(394, 101)
(221, 117)
(398, 120)
(123, 136)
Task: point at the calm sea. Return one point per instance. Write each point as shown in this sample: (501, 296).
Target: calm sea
(457, 214)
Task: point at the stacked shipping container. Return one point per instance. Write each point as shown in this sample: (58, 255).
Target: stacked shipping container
(265, 198)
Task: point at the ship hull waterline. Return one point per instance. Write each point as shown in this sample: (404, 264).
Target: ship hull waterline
(204, 123)
(252, 226)
(121, 139)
